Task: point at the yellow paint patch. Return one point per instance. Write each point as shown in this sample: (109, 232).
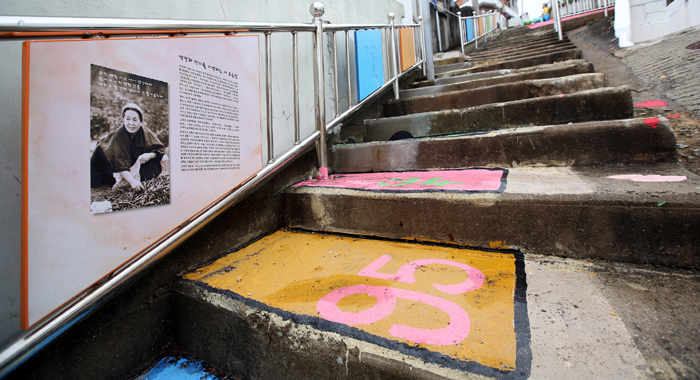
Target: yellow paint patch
(497, 244)
(293, 271)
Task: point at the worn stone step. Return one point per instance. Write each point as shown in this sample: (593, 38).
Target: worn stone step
(504, 92)
(640, 213)
(471, 81)
(452, 67)
(581, 67)
(519, 63)
(528, 46)
(515, 54)
(261, 312)
(449, 61)
(591, 105)
(580, 144)
(529, 36)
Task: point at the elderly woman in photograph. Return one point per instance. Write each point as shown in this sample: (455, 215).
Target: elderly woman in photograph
(128, 155)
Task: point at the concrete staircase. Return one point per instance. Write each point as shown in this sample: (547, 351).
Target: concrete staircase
(564, 141)
(548, 160)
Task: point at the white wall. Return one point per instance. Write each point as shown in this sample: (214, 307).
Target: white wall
(337, 11)
(651, 19)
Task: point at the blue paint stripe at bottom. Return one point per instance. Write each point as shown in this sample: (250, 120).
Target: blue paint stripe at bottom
(177, 369)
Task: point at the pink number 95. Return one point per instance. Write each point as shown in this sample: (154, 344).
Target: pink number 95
(456, 331)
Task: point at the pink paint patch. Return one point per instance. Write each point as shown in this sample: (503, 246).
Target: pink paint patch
(322, 173)
(652, 121)
(675, 116)
(450, 180)
(406, 274)
(455, 332)
(652, 103)
(650, 178)
(561, 95)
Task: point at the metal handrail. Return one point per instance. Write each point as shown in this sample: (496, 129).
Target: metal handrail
(475, 26)
(583, 6)
(44, 331)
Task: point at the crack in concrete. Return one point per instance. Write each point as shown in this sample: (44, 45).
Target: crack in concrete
(13, 174)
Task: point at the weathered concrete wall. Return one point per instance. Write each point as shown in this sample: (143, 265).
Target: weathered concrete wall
(643, 20)
(337, 11)
(654, 18)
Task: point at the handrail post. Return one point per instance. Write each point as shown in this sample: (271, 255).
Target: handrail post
(422, 46)
(394, 58)
(461, 31)
(558, 20)
(428, 39)
(437, 27)
(317, 10)
(605, 4)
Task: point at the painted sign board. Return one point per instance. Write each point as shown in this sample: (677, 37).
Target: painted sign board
(369, 62)
(408, 50)
(449, 305)
(124, 140)
(470, 28)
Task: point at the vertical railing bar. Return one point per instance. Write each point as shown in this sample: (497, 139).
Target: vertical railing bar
(605, 3)
(268, 96)
(394, 58)
(422, 47)
(399, 60)
(475, 26)
(335, 75)
(317, 10)
(461, 35)
(295, 69)
(347, 66)
(437, 25)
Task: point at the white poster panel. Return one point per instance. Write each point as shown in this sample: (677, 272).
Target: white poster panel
(124, 140)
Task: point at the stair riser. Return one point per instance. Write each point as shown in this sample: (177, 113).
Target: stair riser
(520, 63)
(452, 67)
(602, 230)
(515, 54)
(592, 105)
(250, 343)
(539, 74)
(507, 92)
(500, 44)
(520, 48)
(566, 145)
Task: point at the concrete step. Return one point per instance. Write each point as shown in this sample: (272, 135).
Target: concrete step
(620, 212)
(504, 92)
(590, 105)
(529, 36)
(471, 81)
(452, 67)
(519, 63)
(288, 306)
(449, 61)
(511, 55)
(594, 143)
(580, 65)
(527, 46)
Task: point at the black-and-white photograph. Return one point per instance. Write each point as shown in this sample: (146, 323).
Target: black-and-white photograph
(129, 130)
